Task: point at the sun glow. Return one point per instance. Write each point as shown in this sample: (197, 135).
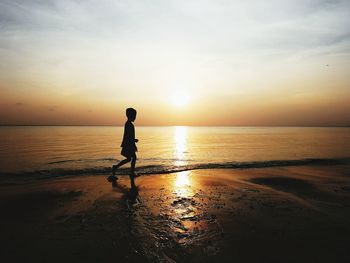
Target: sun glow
(180, 98)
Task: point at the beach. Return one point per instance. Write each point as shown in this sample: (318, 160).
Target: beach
(276, 214)
(226, 123)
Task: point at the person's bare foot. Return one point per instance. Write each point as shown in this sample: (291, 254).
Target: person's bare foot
(114, 182)
(112, 178)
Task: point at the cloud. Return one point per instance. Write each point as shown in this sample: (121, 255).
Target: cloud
(277, 24)
(57, 34)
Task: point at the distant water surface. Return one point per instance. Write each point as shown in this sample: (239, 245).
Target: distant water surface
(77, 150)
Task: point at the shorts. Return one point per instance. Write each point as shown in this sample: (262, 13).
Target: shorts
(128, 152)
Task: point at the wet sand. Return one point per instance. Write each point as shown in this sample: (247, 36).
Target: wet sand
(289, 214)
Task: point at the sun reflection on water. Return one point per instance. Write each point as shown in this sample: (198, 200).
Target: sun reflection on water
(182, 179)
(180, 140)
(183, 185)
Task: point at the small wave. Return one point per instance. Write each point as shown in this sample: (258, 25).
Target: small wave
(114, 160)
(81, 160)
(162, 169)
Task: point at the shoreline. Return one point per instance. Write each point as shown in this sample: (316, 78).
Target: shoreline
(168, 169)
(294, 213)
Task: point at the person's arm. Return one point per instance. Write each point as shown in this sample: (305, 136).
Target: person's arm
(133, 134)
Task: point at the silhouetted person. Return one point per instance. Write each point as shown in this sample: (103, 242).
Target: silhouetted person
(129, 148)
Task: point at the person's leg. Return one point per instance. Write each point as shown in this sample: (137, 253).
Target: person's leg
(112, 178)
(116, 166)
(132, 171)
(133, 164)
(121, 163)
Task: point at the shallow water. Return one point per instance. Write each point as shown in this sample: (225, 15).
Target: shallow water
(87, 150)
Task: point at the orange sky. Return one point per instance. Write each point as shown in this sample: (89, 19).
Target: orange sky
(176, 62)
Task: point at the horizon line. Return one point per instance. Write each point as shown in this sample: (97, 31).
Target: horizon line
(121, 125)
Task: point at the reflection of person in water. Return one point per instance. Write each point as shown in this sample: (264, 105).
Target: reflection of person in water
(129, 148)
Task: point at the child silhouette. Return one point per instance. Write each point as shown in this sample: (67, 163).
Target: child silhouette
(129, 148)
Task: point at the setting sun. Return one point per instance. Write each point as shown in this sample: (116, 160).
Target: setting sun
(180, 99)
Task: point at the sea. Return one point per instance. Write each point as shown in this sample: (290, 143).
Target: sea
(55, 151)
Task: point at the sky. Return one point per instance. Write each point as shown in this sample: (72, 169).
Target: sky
(246, 63)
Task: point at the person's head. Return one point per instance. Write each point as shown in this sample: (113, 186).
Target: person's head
(131, 114)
